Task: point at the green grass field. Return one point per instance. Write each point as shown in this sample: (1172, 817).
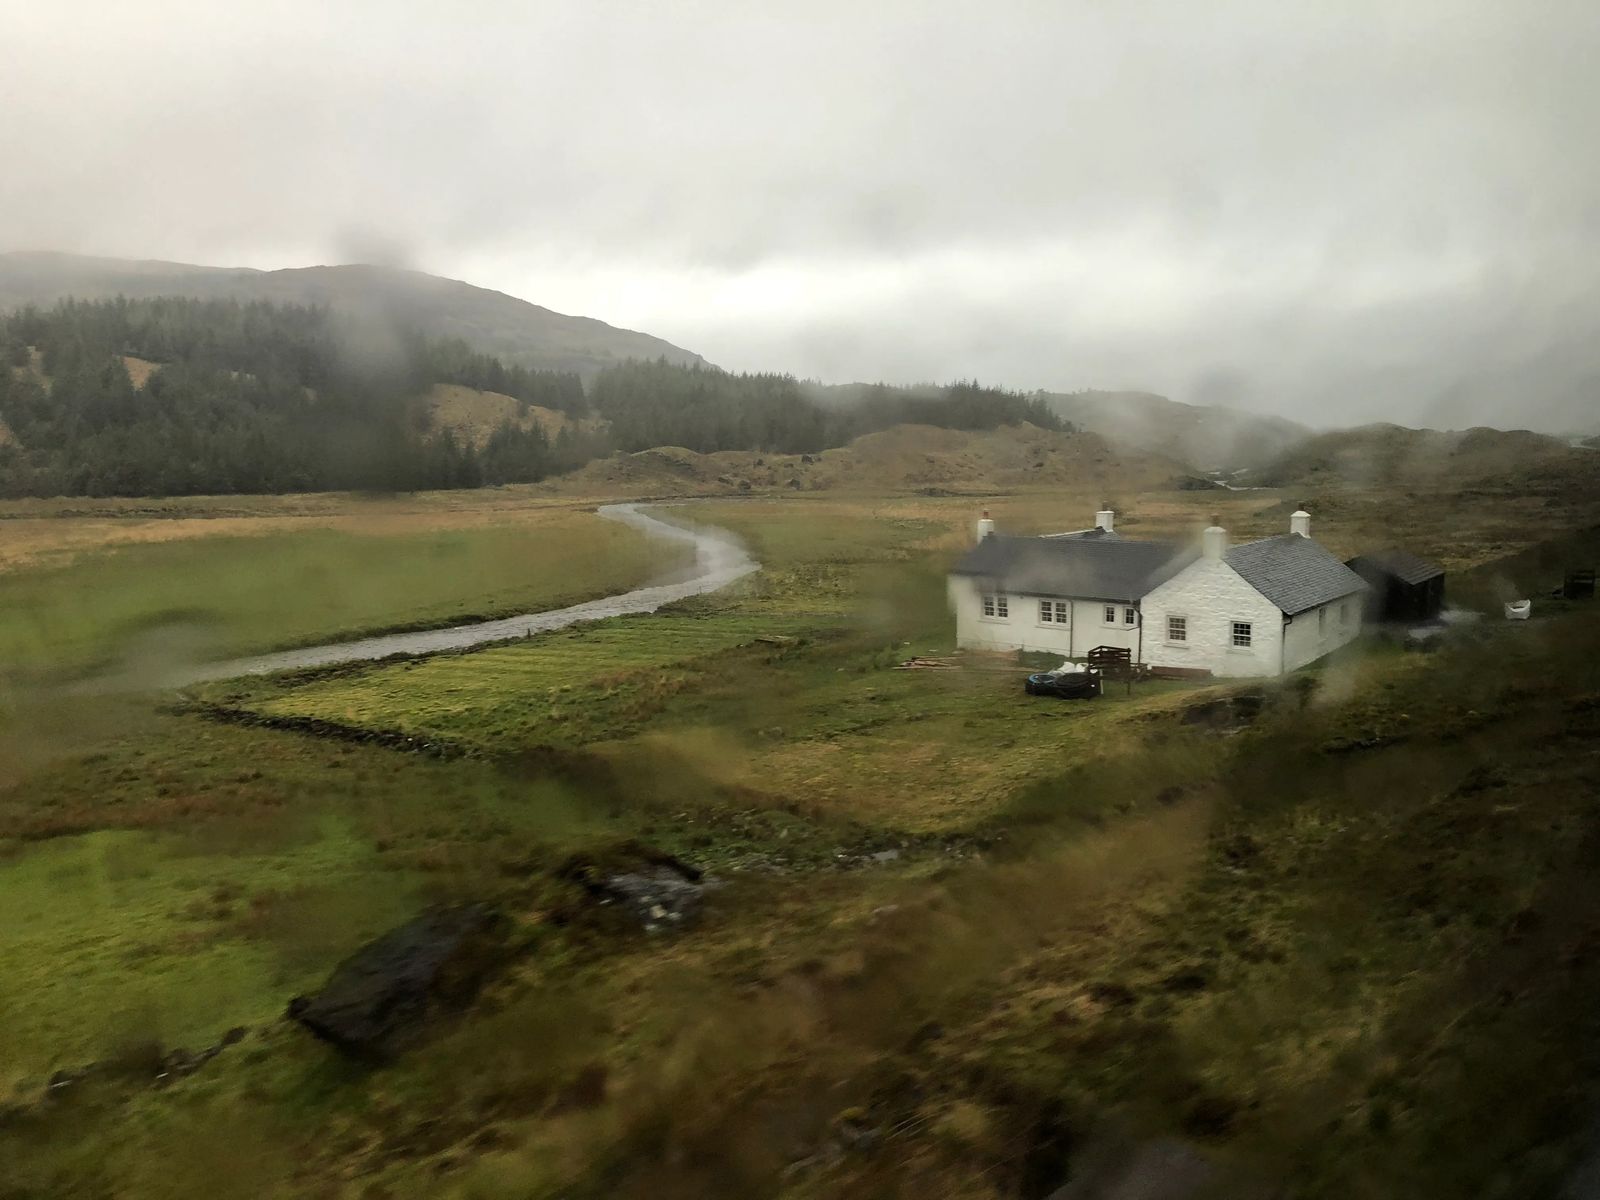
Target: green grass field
(1347, 948)
(212, 597)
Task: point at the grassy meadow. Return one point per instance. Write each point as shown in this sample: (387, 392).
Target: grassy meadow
(204, 589)
(964, 941)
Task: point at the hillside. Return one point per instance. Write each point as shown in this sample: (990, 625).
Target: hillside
(510, 329)
(472, 415)
(910, 458)
(1204, 437)
(177, 396)
(1391, 456)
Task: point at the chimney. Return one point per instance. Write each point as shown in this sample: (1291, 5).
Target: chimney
(1300, 522)
(985, 526)
(1214, 541)
(1105, 519)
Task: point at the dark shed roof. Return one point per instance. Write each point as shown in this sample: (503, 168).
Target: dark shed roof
(1090, 568)
(1402, 564)
(1294, 572)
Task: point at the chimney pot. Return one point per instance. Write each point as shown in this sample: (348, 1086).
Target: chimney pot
(1300, 522)
(985, 525)
(1105, 519)
(1214, 542)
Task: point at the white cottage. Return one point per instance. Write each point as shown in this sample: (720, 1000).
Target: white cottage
(1258, 608)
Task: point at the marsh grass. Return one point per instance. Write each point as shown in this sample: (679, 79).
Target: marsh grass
(1321, 946)
(200, 598)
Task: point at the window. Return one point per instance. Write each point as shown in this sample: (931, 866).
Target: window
(988, 606)
(1001, 609)
(1111, 614)
(1177, 629)
(1052, 612)
(1242, 634)
(1129, 616)
(995, 606)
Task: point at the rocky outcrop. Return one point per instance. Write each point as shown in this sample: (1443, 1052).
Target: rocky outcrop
(657, 898)
(640, 886)
(381, 997)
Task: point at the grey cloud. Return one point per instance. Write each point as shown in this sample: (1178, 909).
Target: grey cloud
(1333, 211)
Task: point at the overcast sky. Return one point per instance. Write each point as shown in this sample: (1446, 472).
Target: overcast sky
(1290, 205)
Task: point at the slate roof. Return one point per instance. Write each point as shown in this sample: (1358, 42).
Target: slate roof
(1404, 566)
(1294, 572)
(1088, 535)
(1111, 568)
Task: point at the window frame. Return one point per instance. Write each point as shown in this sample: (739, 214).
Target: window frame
(1063, 612)
(1182, 639)
(1108, 615)
(1234, 635)
(1047, 612)
(1130, 616)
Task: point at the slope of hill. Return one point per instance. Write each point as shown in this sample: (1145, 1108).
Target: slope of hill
(1393, 456)
(1205, 437)
(910, 458)
(177, 396)
(472, 415)
(512, 330)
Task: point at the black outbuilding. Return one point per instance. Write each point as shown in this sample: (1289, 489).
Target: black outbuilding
(1404, 587)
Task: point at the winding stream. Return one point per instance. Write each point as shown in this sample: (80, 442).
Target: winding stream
(719, 559)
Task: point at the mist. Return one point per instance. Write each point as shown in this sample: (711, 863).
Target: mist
(1333, 213)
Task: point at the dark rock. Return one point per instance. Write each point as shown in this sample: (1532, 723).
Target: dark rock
(657, 898)
(653, 890)
(379, 998)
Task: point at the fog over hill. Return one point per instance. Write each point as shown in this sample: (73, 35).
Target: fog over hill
(512, 330)
(1205, 437)
(1333, 213)
(1389, 456)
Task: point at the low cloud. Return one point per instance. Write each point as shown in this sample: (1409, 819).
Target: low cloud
(1335, 212)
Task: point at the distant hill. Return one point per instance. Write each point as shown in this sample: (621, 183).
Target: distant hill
(1204, 437)
(1391, 456)
(910, 458)
(173, 395)
(509, 329)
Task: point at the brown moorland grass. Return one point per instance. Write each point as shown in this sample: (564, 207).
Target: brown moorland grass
(1299, 960)
(473, 415)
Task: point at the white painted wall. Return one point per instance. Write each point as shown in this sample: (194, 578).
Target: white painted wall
(1021, 628)
(1092, 630)
(1308, 637)
(1211, 595)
